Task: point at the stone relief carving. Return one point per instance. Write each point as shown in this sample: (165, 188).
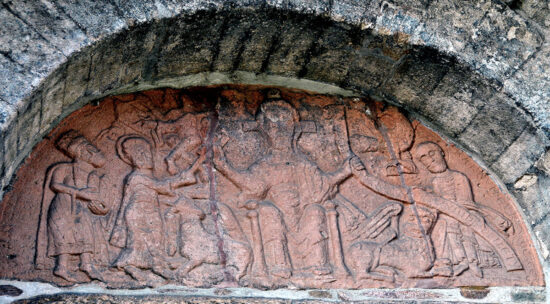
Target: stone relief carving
(266, 188)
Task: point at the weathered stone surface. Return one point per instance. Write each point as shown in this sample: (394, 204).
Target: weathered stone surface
(493, 40)
(534, 197)
(414, 79)
(64, 34)
(97, 19)
(188, 46)
(496, 126)
(538, 11)
(296, 40)
(256, 187)
(531, 87)
(520, 156)
(456, 100)
(257, 44)
(30, 50)
(332, 54)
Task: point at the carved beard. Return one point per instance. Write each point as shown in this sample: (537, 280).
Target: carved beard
(437, 166)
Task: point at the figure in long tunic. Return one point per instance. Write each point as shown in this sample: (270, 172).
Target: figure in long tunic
(65, 221)
(140, 228)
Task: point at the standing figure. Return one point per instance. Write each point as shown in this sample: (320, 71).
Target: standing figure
(65, 222)
(139, 229)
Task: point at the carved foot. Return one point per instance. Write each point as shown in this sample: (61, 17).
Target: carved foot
(144, 276)
(281, 272)
(66, 275)
(460, 267)
(321, 270)
(92, 272)
(476, 270)
(376, 276)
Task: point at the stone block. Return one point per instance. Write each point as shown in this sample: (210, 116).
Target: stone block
(29, 49)
(28, 121)
(544, 162)
(354, 11)
(533, 197)
(330, 59)
(52, 100)
(122, 61)
(538, 11)
(369, 70)
(519, 156)
(231, 45)
(497, 125)
(189, 45)
(77, 76)
(16, 82)
(7, 113)
(97, 19)
(467, 29)
(64, 34)
(456, 100)
(531, 87)
(415, 78)
(260, 41)
(290, 54)
(10, 152)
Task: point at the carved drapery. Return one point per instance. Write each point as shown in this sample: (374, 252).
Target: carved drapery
(261, 187)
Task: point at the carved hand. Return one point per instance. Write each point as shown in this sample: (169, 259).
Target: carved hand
(356, 165)
(97, 207)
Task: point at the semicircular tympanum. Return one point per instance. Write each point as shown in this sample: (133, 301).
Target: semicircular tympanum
(261, 187)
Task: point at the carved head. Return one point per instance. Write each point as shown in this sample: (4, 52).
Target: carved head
(136, 151)
(278, 119)
(431, 156)
(78, 147)
(409, 222)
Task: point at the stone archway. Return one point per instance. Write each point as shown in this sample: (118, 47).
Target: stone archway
(276, 47)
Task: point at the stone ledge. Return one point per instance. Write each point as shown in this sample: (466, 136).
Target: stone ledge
(34, 292)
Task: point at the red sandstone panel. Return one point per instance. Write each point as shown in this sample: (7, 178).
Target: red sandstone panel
(253, 186)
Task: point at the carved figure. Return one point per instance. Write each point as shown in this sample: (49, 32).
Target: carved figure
(288, 193)
(236, 185)
(454, 186)
(139, 228)
(452, 195)
(65, 218)
(383, 261)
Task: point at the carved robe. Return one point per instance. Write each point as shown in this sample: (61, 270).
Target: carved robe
(140, 229)
(65, 222)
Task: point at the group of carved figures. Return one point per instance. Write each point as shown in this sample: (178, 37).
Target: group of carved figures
(289, 223)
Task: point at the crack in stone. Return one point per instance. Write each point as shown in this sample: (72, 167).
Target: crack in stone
(228, 277)
(383, 130)
(7, 55)
(16, 15)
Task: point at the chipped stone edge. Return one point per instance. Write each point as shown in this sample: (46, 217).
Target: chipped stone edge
(495, 295)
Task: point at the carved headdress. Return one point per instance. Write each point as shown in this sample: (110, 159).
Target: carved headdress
(70, 142)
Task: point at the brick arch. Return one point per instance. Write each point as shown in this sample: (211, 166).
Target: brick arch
(458, 93)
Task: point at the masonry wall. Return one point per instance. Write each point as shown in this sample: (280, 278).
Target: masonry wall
(475, 72)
